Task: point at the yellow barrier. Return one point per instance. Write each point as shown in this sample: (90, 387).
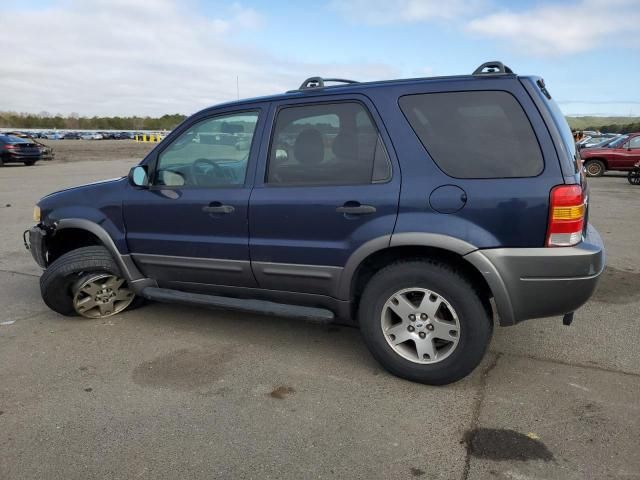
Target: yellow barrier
(152, 137)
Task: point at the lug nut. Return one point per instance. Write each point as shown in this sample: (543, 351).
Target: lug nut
(412, 317)
(422, 334)
(430, 327)
(410, 328)
(423, 316)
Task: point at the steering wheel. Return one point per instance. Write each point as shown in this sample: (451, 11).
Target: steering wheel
(200, 171)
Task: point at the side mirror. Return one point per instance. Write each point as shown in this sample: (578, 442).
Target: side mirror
(138, 176)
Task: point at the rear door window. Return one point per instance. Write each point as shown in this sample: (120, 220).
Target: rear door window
(327, 144)
(480, 134)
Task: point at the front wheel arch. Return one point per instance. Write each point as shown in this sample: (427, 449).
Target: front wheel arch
(129, 270)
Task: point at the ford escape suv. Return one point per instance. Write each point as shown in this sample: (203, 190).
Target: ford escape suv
(420, 210)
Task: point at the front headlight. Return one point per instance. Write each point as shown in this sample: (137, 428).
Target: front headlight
(36, 214)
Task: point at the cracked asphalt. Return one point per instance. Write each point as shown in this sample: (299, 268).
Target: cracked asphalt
(168, 392)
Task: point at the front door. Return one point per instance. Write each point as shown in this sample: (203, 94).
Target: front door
(326, 184)
(625, 153)
(189, 228)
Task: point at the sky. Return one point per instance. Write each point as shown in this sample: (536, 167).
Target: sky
(155, 57)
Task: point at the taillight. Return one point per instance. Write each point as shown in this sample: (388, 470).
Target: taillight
(566, 216)
(9, 147)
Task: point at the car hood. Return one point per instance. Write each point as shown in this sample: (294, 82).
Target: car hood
(84, 187)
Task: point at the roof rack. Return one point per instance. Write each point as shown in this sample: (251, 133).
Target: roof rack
(492, 68)
(319, 82)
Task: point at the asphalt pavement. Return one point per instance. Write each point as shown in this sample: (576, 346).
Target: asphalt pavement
(167, 391)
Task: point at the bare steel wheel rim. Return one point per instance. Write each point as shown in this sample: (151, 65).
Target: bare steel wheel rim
(420, 325)
(101, 295)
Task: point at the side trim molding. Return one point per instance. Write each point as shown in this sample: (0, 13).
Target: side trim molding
(318, 279)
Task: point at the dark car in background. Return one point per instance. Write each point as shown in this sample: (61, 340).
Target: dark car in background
(71, 136)
(619, 155)
(18, 150)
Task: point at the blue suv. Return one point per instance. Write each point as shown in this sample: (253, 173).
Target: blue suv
(421, 210)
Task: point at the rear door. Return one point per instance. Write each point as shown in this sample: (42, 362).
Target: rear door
(327, 182)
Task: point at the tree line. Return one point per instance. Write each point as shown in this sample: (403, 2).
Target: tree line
(74, 121)
(626, 128)
(168, 122)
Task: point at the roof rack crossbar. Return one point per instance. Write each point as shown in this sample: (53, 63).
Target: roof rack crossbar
(492, 68)
(319, 82)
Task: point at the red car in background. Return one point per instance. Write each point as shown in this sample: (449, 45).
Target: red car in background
(621, 154)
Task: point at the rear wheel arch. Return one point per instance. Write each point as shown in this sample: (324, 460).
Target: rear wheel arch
(394, 254)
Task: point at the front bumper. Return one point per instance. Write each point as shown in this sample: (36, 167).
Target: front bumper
(541, 282)
(34, 241)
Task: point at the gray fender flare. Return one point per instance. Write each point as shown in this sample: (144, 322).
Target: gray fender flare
(129, 269)
(467, 251)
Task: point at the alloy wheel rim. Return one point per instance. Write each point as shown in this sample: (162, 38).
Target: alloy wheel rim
(420, 325)
(101, 295)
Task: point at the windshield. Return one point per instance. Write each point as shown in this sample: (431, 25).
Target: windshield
(618, 141)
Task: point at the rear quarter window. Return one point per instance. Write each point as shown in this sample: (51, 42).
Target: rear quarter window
(480, 134)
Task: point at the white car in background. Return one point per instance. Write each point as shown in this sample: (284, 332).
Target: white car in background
(92, 136)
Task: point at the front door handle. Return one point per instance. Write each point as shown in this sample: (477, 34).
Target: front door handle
(355, 208)
(217, 207)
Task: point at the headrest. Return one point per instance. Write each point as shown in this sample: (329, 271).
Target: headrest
(309, 147)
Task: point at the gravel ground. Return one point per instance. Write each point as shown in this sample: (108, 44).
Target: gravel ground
(173, 392)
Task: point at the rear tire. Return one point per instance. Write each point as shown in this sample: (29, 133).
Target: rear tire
(29, 163)
(60, 280)
(594, 168)
(452, 351)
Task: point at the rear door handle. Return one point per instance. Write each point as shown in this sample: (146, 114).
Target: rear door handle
(355, 208)
(217, 207)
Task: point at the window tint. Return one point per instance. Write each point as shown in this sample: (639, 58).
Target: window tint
(634, 142)
(475, 134)
(328, 144)
(212, 153)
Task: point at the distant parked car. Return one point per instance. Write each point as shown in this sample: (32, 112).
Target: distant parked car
(71, 136)
(607, 141)
(91, 136)
(18, 150)
(52, 135)
(621, 155)
(590, 141)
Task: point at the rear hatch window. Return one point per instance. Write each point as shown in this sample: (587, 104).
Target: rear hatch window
(479, 134)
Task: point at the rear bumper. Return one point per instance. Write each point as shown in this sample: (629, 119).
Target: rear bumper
(541, 282)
